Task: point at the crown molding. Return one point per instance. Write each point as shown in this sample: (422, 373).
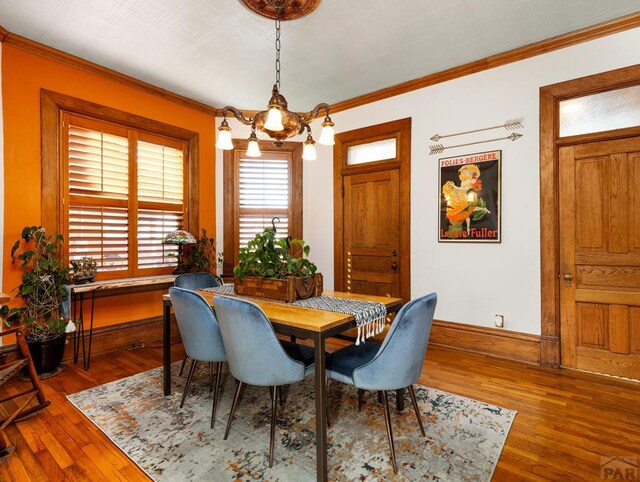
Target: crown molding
(56, 55)
(544, 46)
(549, 45)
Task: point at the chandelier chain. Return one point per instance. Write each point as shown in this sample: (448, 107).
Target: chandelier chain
(278, 49)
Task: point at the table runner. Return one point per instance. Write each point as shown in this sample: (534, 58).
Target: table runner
(369, 315)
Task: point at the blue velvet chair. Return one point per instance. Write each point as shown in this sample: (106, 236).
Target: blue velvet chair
(197, 281)
(256, 356)
(396, 363)
(200, 333)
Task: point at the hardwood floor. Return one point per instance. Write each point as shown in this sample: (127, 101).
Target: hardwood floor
(566, 420)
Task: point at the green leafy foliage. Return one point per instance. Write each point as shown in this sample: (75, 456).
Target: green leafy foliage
(43, 282)
(202, 256)
(268, 257)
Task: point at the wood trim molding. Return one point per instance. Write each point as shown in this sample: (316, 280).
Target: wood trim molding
(495, 342)
(56, 55)
(550, 97)
(401, 129)
(544, 46)
(52, 103)
(132, 334)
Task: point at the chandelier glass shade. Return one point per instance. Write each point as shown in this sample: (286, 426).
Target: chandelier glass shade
(277, 121)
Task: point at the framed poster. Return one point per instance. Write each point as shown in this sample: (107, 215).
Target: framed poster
(470, 198)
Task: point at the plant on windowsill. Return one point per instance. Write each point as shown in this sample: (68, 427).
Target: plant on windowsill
(269, 268)
(43, 290)
(202, 254)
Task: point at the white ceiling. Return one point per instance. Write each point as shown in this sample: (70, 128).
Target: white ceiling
(218, 52)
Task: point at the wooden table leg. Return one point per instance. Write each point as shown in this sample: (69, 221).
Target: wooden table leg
(321, 409)
(166, 345)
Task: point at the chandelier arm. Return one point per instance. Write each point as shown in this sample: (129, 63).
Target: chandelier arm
(238, 115)
(305, 118)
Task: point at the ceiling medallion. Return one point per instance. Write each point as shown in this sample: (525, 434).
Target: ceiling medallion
(269, 9)
(278, 122)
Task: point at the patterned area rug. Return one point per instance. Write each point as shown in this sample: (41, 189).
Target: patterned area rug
(464, 437)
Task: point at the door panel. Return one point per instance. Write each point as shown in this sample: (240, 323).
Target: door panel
(600, 262)
(372, 233)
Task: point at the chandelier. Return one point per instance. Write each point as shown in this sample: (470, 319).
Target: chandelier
(278, 122)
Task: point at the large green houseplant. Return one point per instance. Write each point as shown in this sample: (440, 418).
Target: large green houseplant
(270, 258)
(43, 290)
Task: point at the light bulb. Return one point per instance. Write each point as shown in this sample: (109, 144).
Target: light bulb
(253, 149)
(274, 120)
(309, 150)
(327, 134)
(224, 137)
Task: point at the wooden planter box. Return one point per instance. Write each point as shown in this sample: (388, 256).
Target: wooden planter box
(288, 289)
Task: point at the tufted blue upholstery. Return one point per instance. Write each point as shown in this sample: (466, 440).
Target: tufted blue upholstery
(255, 354)
(198, 326)
(397, 362)
(196, 281)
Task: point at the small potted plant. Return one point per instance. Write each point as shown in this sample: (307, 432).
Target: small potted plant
(43, 290)
(269, 268)
(84, 270)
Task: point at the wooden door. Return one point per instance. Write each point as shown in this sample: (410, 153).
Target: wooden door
(372, 233)
(600, 256)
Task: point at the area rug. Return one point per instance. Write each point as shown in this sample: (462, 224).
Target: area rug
(464, 436)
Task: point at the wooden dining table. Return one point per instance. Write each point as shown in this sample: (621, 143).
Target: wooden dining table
(313, 324)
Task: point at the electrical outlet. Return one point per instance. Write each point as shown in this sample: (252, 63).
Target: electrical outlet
(499, 321)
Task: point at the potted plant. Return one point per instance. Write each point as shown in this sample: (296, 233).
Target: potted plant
(202, 257)
(269, 268)
(84, 270)
(43, 290)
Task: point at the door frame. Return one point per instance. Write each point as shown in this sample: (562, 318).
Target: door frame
(401, 130)
(550, 142)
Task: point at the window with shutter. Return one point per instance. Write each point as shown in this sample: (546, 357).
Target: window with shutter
(124, 192)
(258, 190)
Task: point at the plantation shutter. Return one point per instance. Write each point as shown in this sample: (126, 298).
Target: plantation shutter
(160, 202)
(122, 202)
(263, 193)
(98, 197)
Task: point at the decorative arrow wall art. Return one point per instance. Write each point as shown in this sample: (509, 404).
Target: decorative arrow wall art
(509, 125)
(438, 148)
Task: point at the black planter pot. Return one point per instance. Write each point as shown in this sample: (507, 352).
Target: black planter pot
(47, 355)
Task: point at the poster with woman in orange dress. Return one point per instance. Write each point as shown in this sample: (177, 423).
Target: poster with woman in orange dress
(470, 198)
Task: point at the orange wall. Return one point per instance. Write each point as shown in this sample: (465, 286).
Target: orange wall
(23, 75)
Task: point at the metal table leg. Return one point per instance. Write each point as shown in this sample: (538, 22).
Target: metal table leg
(166, 345)
(87, 361)
(321, 409)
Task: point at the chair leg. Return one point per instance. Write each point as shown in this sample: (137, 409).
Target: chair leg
(184, 361)
(216, 393)
(233, 409)
(272, 437)
(210, 377)
(360, 399)
(416, 409)
(279, 395)
(192, 369)
(387, 419)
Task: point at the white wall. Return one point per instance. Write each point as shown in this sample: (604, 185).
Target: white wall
(473, 281)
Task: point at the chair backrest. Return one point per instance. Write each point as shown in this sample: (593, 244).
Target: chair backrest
(198, 326)
(399, 360)
(196, 281)
(254, 353)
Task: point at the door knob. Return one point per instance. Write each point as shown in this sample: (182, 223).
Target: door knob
(567, 279)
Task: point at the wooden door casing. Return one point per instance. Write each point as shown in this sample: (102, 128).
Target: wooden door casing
(600, 256)
(372, 233)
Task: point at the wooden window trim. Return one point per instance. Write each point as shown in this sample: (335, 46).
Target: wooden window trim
(53, 105)
(230, 202)
(550, 141)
